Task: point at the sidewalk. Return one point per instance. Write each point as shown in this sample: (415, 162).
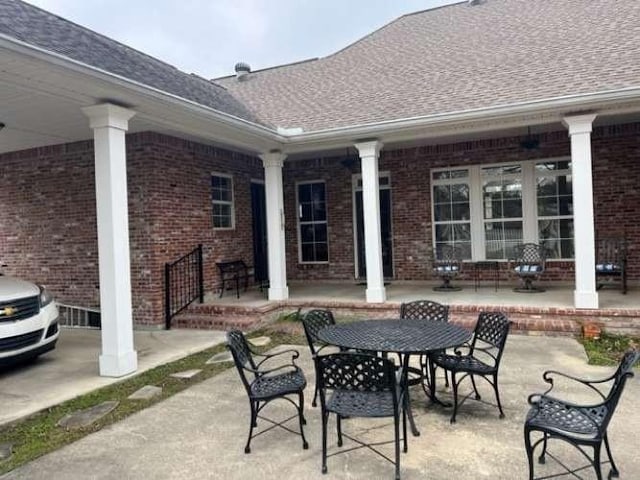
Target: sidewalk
(200, 433)
(72, 368)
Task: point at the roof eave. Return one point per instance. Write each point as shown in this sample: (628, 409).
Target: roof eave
(256, 130)
(553, 109)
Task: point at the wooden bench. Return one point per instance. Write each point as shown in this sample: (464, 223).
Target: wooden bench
(234, 271)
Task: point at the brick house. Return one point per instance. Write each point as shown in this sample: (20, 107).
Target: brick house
(481, 125)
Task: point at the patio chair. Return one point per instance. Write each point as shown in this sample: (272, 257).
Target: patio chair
(528, 264)
(432, 311)
(266, 384)
(482, 359)
(360, 385)
(313, 321)
(580, 425)
(447, 265)
(611, 261)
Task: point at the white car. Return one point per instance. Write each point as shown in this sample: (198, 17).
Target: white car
(28, 320)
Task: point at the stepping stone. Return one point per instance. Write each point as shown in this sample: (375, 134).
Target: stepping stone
(145, 393)
(186, 374)
(220, 358)
(84, 418)
(260, 341)
(6, 450)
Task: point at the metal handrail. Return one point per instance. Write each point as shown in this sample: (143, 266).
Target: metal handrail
(183, 283)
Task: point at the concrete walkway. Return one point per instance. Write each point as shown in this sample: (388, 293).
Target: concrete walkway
(72, 368)
(200, 433)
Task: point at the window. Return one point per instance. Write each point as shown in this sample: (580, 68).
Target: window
(502, 207)
(452, 210)
(486, 210)
(555, 207)
(312, 223)
(222, 201)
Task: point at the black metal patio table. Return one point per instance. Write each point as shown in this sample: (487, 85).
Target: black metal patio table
(404, 337)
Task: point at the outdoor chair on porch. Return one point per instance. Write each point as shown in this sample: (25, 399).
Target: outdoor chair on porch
(447, 265)
(611, 261)
(582, 425)
(528, 264)
(430, 311)
(360, 385)
(482, 359)
(266, 384)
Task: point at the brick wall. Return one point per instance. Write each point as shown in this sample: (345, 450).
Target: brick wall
(48, 224)
(616, 159)
(47, 208)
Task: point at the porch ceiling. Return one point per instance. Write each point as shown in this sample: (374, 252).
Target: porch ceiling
(41, 101)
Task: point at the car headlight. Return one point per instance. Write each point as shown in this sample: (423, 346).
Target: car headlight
(45, 297)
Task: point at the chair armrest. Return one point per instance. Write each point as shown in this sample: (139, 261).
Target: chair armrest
(266, 356)
(549, 374)
(265, 372)
(457, 349)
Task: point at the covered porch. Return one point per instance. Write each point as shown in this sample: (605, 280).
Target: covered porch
(549, 312)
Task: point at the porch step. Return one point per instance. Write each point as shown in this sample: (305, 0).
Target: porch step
(526, 319)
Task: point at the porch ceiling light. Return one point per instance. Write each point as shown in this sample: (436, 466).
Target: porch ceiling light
(530, 142)
(1, 126)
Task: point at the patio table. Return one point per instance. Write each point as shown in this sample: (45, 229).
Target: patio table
(401, 336)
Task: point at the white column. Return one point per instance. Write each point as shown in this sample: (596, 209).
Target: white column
(272, 163)
(369, 151)
(580, 126)
(109, 124)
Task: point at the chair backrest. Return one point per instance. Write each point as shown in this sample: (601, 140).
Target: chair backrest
(355, 372)
(611, 251)
(529, 258)
(620, 377)
(490, 335)
(447, 260)
(237, 344)
(313, 321)
(424, 310)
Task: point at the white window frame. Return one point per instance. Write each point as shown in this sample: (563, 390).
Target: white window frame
(299, 224)
(223, 202)
(554, 173)
(529, 203)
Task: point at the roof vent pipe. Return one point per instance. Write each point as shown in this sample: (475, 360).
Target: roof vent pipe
(242, 69)
(471, 3)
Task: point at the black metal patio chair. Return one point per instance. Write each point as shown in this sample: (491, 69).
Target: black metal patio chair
(528, 264)
(580, 425)
(431, 311)
(482, 359)
(266, 384)
(447, 265)
(611, 261)
(313, 321)
(360, 385)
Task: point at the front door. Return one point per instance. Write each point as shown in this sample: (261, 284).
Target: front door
(260, 252)
(385, 227)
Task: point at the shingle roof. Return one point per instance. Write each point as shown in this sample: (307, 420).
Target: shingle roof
(37, 27)
(455, 58)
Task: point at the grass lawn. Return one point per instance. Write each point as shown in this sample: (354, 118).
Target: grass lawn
(39, 434)
(608, 349)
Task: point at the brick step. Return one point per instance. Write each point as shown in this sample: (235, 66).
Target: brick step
(215, 322)
(218, 309)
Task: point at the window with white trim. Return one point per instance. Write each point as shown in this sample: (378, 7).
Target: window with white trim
(222, 201)
(312, 223)
(452, 210)
(554, 191)
(485, 210)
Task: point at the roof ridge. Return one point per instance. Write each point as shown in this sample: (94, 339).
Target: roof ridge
(290, 64)
(273, 67)
(101, 36)
(388, 24)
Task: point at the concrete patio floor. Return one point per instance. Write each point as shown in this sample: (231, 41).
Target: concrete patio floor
(200, 433)
(72, 368)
